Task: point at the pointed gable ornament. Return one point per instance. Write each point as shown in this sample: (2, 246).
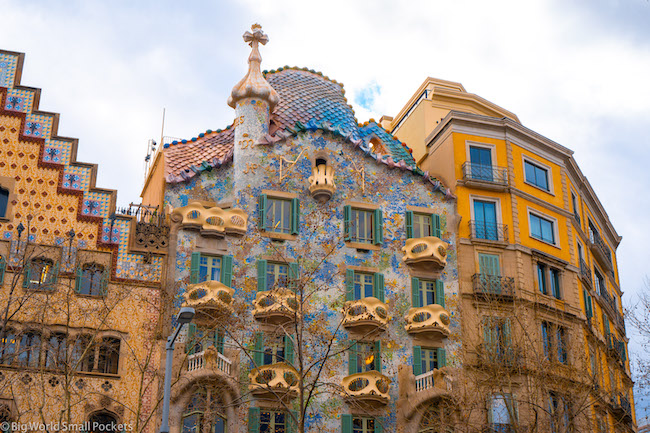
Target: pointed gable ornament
(254, 85)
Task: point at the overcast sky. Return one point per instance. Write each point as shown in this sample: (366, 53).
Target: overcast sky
(577, 72)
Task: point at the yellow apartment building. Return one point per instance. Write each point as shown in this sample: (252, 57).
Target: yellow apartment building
(544, 339)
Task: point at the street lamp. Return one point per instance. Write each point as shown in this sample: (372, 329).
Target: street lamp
(185, 315)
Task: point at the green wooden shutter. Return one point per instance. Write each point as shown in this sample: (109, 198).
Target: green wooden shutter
(3, 266)
(409, 224)
(294, 276)
(378, 226)
(292, 422)
(507, 332)
(442, 357)
(591, 308)
(28, 274)
(190, 340)
(415, 292)
(295, 216)
(77, 279)
(218, 340)
(378, 287)
(417, 360)
(258, 351)
(261, 275)
(623, 356)
(261, 212)
(226, 270)
(194, 267)
(487, 332)
(440, 293)
(347, 216)
(352, 359)
(254, 420)
(489, 264)
(349, 285)
(435, 226)
(379, 425)
(346, 423)
(584, 298)
(378, 355)
(288, 349)
(606, 324)
(103, 284)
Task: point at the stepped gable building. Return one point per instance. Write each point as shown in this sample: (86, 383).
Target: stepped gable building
(320, 260)
(80, 282)
(539, 294)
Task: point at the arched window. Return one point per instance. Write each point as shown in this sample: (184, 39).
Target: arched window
(41, 274)
(7, 346)
(377, 146)
(438, 418)
(29, 351)
(56, 351)
(91, 280)
(102, 422)
(4, 201)
(83, 354)
(205, 409)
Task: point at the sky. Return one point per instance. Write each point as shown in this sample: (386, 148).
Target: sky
(575, 71)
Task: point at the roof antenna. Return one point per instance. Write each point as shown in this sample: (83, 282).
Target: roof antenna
(151, 149)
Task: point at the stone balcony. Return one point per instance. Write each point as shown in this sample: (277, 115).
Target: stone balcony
(426, 253)
(370, 389)
(431, 321)
(275, 306)
(211, 301)
(414, 391)
(211, 221)
(365, 316)
(321, 183)
(275, 380)
(209, 359)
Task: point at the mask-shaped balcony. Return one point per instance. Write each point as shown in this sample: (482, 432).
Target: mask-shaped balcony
(369, 388)
(365, 316)
(431, 321)
(427, 253)
(212, 221)
(211, 300)
(279, 379)
(321, 183)
(275, 306)
(209, 359)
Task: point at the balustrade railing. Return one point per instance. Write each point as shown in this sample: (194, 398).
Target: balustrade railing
(485, 173)
(488, 231)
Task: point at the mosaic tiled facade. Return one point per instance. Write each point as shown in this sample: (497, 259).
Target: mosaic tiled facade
(55, 215)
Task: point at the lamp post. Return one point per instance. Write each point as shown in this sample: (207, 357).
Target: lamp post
(185, 315)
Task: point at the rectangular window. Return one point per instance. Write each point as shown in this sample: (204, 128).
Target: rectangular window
(559, 411)
(361, 225)
(481, 160)
(485, 220)
(209, 268)
(278, 215)
(429, 359)
(363, 285)
(502, 412)
(427, 292)
(277, 275)
(593, 232)
(536, 175)
(541, 278)
(600, 282)
(273, 349)
(554, 275)
(366, 356)
(546, 339)
(421, 225)
(272, 421)
(542, 229)
(561, 343)
(363, 425)
(497, 339)
(574, 202)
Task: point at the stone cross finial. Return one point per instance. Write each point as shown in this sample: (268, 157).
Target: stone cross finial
(254, 85)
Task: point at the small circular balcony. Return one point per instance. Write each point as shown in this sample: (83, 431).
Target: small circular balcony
(321, 183)
(365, 316)
(280, 379)
(275, 306)
(426, 253)
(211, 300)
(370, 389)
(431, 321)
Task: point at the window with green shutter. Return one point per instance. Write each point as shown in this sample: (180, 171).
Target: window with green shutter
(273, 421)
(3, 267)
(278, 215)
(199, 339)
(90, 279)
(205, 267)
(363, 226)
(419, 225)
(427, 292)
(41, 274)
(364, 356)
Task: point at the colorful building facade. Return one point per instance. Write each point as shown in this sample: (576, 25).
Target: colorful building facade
(80, 282)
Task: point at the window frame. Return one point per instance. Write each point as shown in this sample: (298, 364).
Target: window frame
(498, 216)
(542, 166)
(376, 231)
(544, 217)
(225, 273)
(100, 286)
(549, 280)
(294, 214)
(9, 184)
(47, 281)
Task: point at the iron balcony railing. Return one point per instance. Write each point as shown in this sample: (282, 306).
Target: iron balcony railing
(485, 173)
(609, 301)
(600, 247)
(488, 231)
(496, 285)
(585, 272)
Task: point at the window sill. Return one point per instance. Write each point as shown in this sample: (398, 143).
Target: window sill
(279, 236)
(544, 242)
(363, 246)
(549, 192)
(39, 369)
(96, 297)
